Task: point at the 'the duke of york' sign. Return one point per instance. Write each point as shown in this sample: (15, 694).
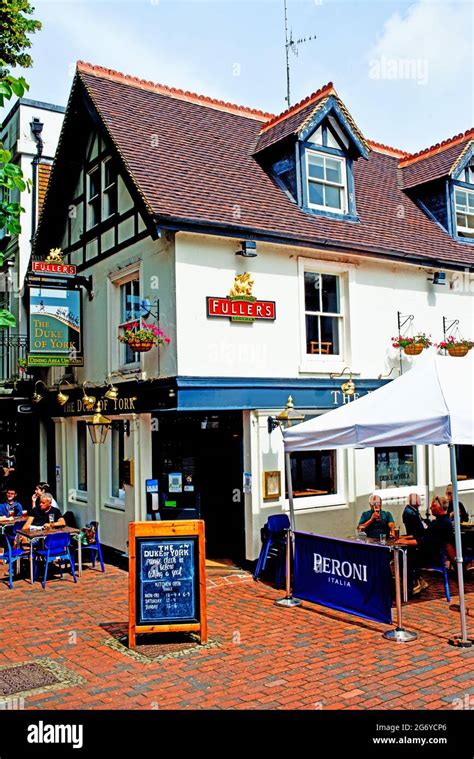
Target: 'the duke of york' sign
(240, 305)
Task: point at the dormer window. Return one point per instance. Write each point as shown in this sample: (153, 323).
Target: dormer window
(327, 156)
(464, 205)
(327, 181)
(467, 174)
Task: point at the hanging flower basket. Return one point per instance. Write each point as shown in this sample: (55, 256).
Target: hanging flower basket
(414, 349)
(457, 347)
(412, 346)
(140, 346)
(143, 340)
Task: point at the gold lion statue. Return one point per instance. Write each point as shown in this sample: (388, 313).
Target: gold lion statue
(243, 284)
(55, 255)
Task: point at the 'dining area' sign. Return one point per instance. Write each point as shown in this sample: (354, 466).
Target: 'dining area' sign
(167, 579)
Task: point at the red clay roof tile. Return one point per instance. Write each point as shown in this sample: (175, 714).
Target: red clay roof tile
(191, 160)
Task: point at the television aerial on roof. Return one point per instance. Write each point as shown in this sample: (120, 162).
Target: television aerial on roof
(293, 45)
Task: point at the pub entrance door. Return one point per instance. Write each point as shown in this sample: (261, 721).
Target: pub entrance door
(197, 459)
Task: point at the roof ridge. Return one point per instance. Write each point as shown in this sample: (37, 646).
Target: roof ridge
(163, 89)
(437, 148)
(324, 90)
(379, 147)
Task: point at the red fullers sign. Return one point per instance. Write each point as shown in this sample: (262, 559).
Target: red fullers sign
(241, 309)
(42, 267)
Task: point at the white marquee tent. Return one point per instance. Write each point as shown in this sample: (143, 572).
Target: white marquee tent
(432, 404)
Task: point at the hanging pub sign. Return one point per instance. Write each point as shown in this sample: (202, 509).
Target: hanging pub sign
(55, 322)
(167, 578)
(240, 305)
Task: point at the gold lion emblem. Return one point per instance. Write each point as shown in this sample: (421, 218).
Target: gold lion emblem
(55, 256)
(243, 284)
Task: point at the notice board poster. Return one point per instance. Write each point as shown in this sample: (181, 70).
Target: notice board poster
(167, 578)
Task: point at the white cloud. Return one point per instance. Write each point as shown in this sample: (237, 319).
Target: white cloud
(437, 35)
(110, 34)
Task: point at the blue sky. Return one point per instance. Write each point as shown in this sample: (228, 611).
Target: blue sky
(404, 70)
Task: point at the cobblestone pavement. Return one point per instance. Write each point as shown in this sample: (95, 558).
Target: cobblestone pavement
(259, 657)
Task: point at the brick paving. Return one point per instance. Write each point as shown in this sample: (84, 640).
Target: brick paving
(260, 656)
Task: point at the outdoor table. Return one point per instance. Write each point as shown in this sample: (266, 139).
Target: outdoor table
(8, 521)
(35, 535)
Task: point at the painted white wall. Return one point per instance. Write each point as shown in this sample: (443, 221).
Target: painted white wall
(373, 293)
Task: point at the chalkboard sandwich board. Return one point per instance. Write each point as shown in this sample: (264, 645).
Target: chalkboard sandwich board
(167, 578)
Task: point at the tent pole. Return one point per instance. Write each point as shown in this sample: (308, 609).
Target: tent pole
(464, 640)
(289, 482)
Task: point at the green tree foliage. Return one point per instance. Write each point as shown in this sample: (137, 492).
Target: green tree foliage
(16, 26)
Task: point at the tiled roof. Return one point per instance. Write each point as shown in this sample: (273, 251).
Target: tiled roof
(295, 119)
(191, 161)
(435, 162)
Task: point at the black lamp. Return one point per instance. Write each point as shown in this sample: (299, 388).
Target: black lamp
(248, 249)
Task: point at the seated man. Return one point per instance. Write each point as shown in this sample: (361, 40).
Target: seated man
(415, 525)
(10, 507)
(45, 513)
(376, 522)
(462, 509)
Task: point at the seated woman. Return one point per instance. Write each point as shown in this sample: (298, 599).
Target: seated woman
(438, 535)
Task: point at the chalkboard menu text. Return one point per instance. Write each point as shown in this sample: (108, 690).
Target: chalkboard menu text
(167, 583)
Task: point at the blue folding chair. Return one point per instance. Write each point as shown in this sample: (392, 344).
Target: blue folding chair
(441, 567)
(56, 548)
(12, 554)
(274, 546)
(94, 548)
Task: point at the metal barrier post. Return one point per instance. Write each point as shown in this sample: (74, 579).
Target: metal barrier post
(399, 635)
(288, 602)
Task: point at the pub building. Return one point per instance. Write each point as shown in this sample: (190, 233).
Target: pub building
(279, 256)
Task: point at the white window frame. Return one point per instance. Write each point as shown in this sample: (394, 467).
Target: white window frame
(114, 502)
(342, 186)
(93, 198)
(459, 228)
(106, 189)
(115, 352)
(321, 363)
(81, 495)
(318, 502)
(399, 495)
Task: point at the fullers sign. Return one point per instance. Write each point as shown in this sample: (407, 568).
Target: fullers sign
(343, 574)
(240, 305)
(44, 267)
